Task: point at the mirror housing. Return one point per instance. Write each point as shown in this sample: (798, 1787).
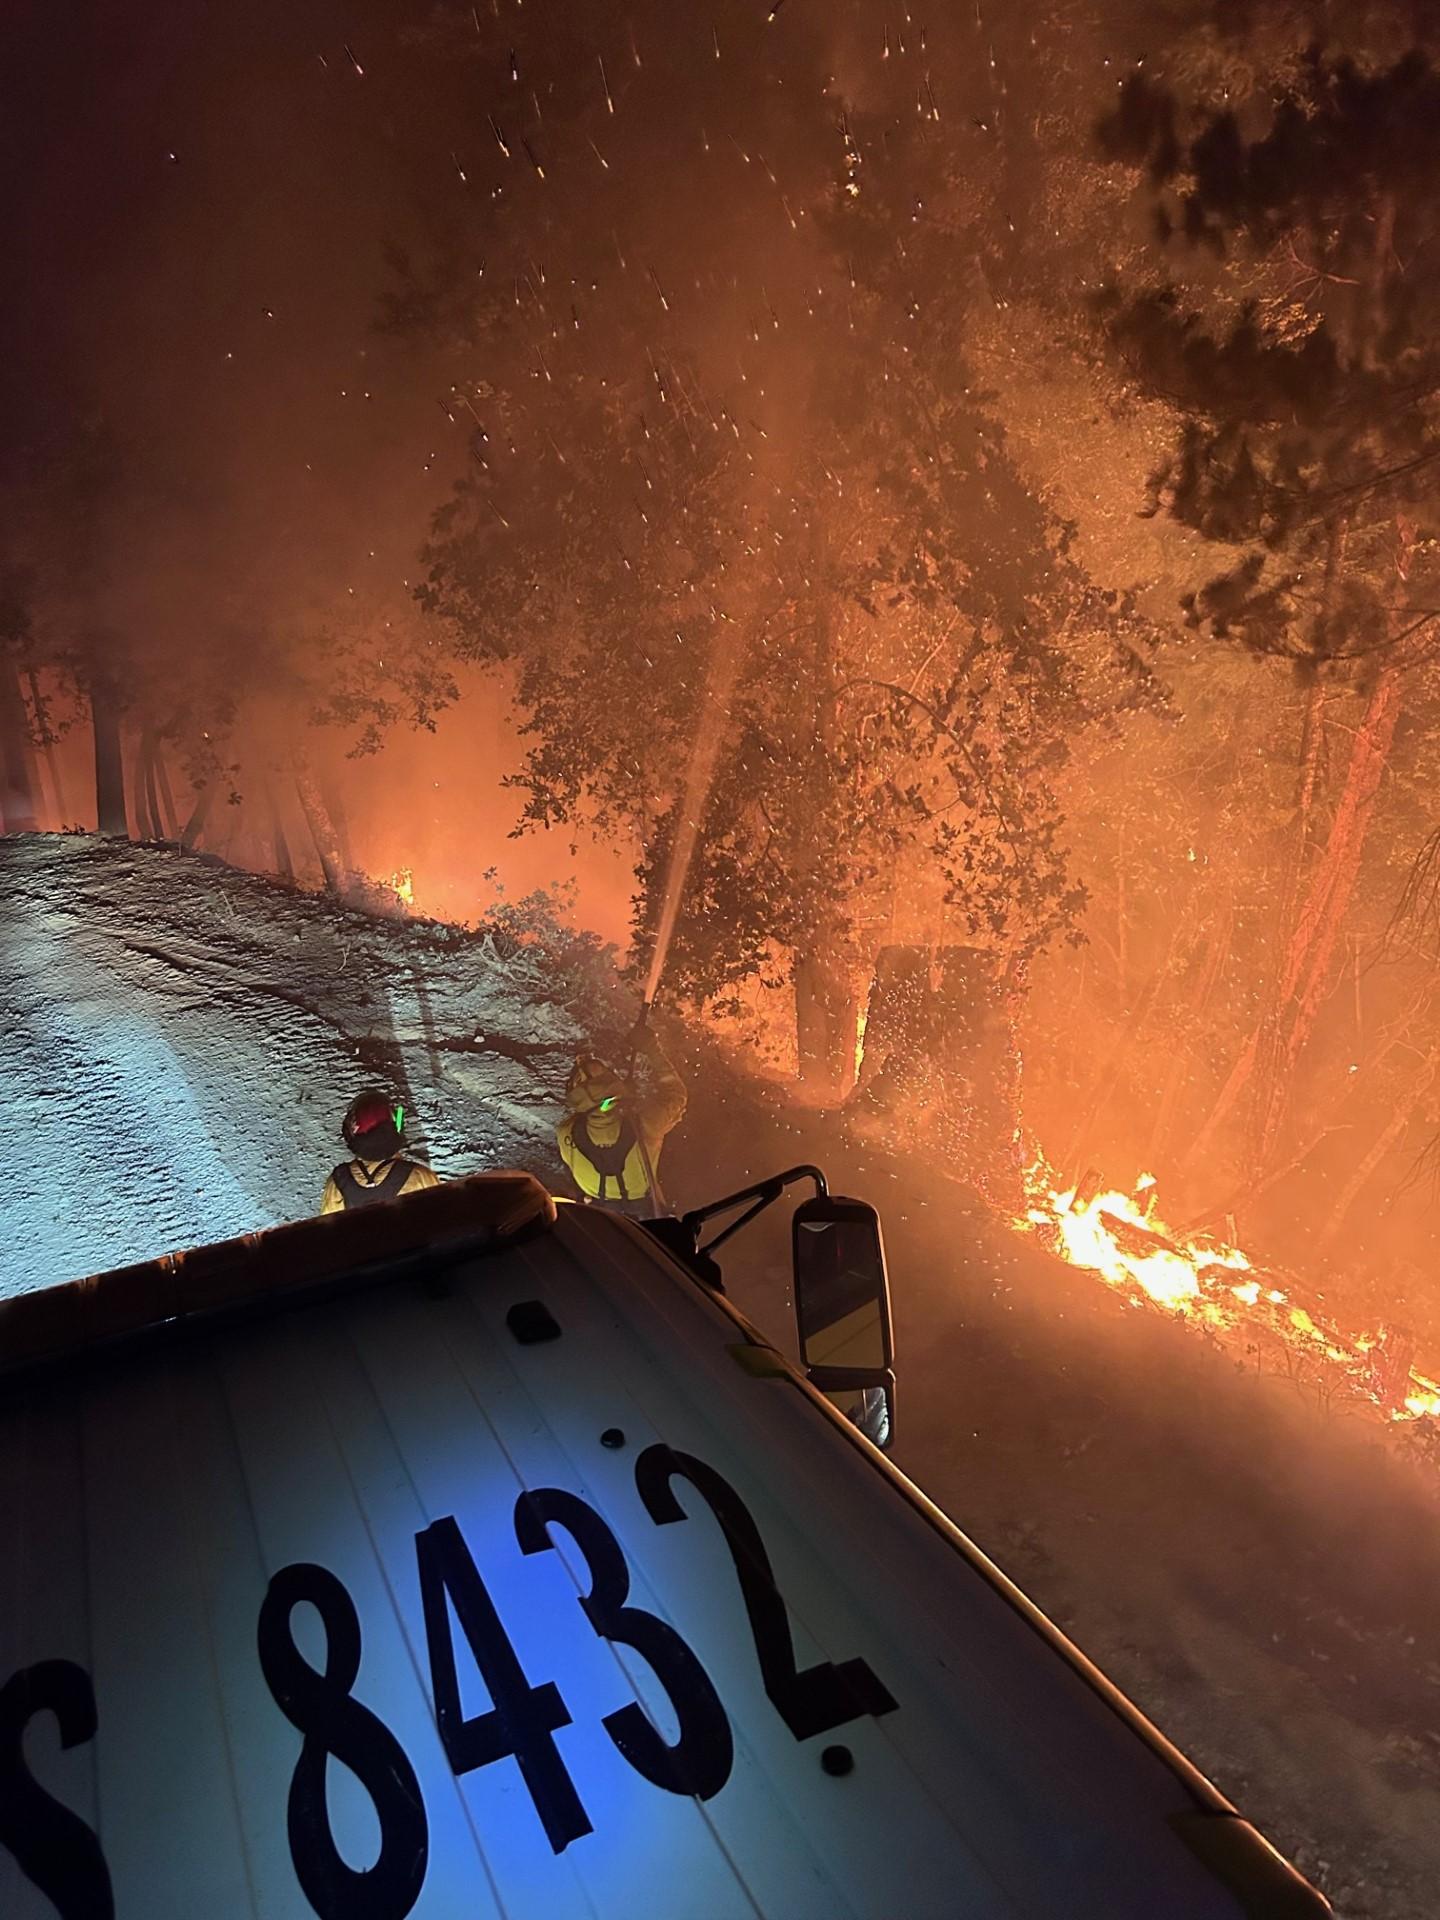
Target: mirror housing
(680, 1238)
(842, 1311)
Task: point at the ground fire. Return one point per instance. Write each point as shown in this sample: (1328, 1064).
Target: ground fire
(1258, 1311)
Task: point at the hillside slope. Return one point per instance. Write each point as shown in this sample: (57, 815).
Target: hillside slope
(1255, 1569)
(180, 1039)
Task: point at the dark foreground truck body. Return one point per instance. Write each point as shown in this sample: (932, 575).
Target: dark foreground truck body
(471, 1558)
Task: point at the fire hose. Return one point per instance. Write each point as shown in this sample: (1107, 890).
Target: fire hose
(653, 1184)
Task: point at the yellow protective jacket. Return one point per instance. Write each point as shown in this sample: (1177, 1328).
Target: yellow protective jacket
(641, 1116)
(372, 1173)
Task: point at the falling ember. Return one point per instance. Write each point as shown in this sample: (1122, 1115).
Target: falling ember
(1121, 1236)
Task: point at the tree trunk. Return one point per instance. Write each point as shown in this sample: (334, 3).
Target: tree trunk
(1215, 953)
(941, 1063)
(222, 842)
(894, 1015)
(17, 782)
(140, 783)
(1271, 1088)
(1329, 891)
(109, 760)
(334, 801)
(284, 865)
(827, 1013)
(1280, 1038)
(322, 831)
(1310, 961)
(1389, 1135)
(973, 1040)
(1225, 1100)
(148, 791)
(47, 737)
(199, 817)
(1305, 965)
(164, 799)
(1267, 1096)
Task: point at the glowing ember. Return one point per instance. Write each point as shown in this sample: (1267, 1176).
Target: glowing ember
(1122, 1237)
(402, 884)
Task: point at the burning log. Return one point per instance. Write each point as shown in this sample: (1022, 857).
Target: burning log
(1139, 1241)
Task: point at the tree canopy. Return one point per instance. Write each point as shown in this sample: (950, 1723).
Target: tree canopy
(795, 487)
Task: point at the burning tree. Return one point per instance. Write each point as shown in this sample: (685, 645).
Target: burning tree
(1287, 309)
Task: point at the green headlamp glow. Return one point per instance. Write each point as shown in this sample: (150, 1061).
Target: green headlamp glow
(606, 1103)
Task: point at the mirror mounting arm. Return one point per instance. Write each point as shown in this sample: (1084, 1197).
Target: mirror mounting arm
(763, 1194)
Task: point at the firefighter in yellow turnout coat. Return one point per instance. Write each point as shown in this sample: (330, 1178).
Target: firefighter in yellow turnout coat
(613, 1130)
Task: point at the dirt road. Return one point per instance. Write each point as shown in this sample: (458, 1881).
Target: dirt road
(178, 1042)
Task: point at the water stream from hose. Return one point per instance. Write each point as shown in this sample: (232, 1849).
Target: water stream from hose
(720, 681)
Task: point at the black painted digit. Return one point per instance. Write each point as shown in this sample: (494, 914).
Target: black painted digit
(53, 1847)
(699, 1763)
(521, 1718)
(810, 1701)
(322, 1708)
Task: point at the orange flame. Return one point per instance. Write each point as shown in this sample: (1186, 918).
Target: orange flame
(1122, 1237)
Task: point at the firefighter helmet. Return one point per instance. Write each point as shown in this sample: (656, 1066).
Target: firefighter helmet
(593, 1087)
(374, 1126)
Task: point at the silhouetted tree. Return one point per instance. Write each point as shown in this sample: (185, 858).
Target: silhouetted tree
(1290, 315)
(17, 786)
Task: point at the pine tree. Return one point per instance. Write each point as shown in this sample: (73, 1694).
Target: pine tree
(1290, 314)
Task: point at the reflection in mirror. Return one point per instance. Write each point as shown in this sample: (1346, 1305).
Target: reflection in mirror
(868, 1408)
(840, 1292)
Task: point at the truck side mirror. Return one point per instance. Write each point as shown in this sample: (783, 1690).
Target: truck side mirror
(842, 1307)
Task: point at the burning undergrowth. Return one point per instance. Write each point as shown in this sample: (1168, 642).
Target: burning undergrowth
(1266, 1316)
